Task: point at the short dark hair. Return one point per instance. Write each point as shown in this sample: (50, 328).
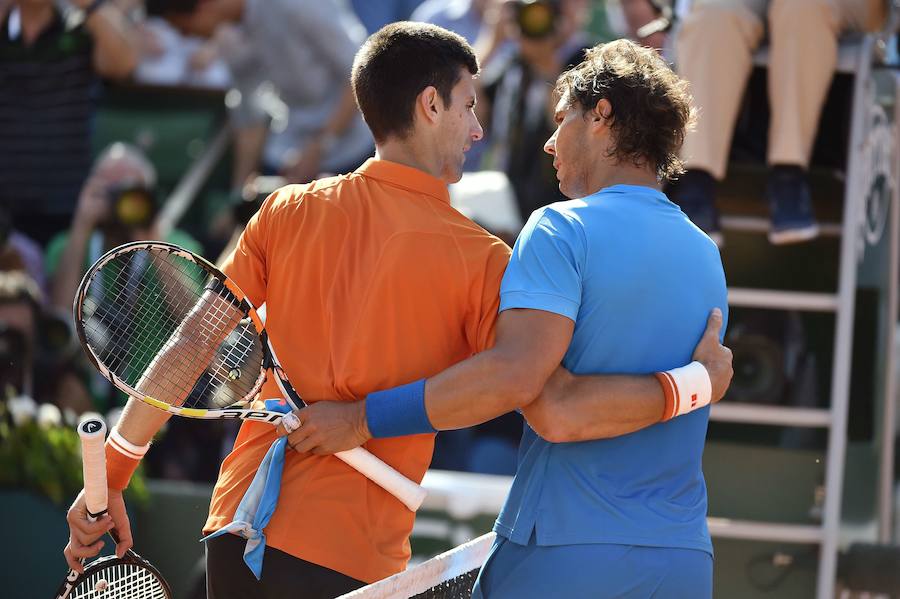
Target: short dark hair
(651, 105)
(396, 63)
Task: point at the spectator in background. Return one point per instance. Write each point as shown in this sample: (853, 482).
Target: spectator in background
(37, 349)
(19, 252)
(518, 94)
(117, 204)
(50, 68)
(645, 21)
(376, 14)
(169, 58)
(714, 48)
(290, 62)
(465, 17)
(20, 301)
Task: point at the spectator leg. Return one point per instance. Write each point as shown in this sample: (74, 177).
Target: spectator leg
(714, 48)
(804, 36)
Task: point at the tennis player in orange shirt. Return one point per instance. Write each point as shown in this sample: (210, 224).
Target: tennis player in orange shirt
(370, 279)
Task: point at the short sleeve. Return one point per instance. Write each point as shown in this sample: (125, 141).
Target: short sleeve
(246, 265)
(544, 272)
(486, 290)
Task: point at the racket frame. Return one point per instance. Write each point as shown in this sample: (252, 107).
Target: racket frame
(238, 413)
(107, 562)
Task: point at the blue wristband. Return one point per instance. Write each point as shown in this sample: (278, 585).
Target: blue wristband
(398, 412)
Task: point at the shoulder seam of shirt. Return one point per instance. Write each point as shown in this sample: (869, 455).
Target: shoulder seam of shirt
(306, 193)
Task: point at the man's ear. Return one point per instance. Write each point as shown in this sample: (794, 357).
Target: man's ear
(601, 114)
(428, 104)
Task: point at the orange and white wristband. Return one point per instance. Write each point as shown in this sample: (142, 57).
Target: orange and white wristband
(122, 459)
(686, 389)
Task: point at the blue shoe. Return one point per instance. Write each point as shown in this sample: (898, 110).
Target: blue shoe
(790, 206)
(695, 194)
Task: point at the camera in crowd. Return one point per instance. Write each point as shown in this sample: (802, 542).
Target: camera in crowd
(537, 19)
(133, 206)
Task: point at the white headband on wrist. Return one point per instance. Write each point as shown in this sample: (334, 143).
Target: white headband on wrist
(686, 389)
(126, 447)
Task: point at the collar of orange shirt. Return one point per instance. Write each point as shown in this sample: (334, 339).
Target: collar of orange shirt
(406, 177)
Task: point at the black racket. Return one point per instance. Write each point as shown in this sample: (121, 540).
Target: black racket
(128, 577)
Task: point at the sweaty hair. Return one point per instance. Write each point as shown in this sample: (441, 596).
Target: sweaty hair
(396, 63)
(651, 106)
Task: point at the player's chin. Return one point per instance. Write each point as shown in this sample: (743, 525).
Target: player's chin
(454, 173)
(564, 187)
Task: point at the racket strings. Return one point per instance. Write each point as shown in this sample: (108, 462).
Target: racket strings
(130, 307)
(120, 581)
(150, 320)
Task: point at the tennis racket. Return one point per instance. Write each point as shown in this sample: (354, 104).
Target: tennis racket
(128, 577)
(170, 329)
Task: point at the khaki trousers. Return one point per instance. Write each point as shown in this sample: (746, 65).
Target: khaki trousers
(714, 48)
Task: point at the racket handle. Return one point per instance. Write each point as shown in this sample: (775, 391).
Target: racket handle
(384, 476)
(92, 431)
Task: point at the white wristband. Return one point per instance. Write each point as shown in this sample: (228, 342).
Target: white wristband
(126, 447)
(686, 389)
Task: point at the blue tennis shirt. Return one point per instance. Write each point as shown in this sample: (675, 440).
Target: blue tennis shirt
(639, 280)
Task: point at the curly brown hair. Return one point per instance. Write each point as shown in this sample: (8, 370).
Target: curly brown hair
(651, 106)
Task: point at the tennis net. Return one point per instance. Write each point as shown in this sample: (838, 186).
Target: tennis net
(450, 575)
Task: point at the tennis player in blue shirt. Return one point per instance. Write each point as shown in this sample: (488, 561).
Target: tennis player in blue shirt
(609, 498)
(622, 516)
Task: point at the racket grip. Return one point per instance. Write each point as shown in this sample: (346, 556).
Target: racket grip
(384, 476)
(92, 431)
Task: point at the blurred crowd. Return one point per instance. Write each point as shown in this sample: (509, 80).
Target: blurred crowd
(282, 68)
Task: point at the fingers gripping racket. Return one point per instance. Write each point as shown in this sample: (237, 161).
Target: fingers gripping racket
(167, 327)
(128, 577)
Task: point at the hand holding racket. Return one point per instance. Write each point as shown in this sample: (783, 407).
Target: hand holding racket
(127, 577)
(170, 329)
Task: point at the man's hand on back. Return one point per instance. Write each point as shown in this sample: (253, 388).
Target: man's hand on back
(714, 356)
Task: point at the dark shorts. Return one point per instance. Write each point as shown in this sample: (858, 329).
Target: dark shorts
(283, 576)
(594, 571)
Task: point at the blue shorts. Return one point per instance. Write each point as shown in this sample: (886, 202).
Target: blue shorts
(595, 571)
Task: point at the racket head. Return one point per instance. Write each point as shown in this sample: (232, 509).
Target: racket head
(110, 577)
(143, 297)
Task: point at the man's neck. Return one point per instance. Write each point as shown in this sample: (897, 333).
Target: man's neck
(407, 153)
(624, 175)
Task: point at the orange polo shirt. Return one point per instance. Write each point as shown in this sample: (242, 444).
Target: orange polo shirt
(370, 280)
